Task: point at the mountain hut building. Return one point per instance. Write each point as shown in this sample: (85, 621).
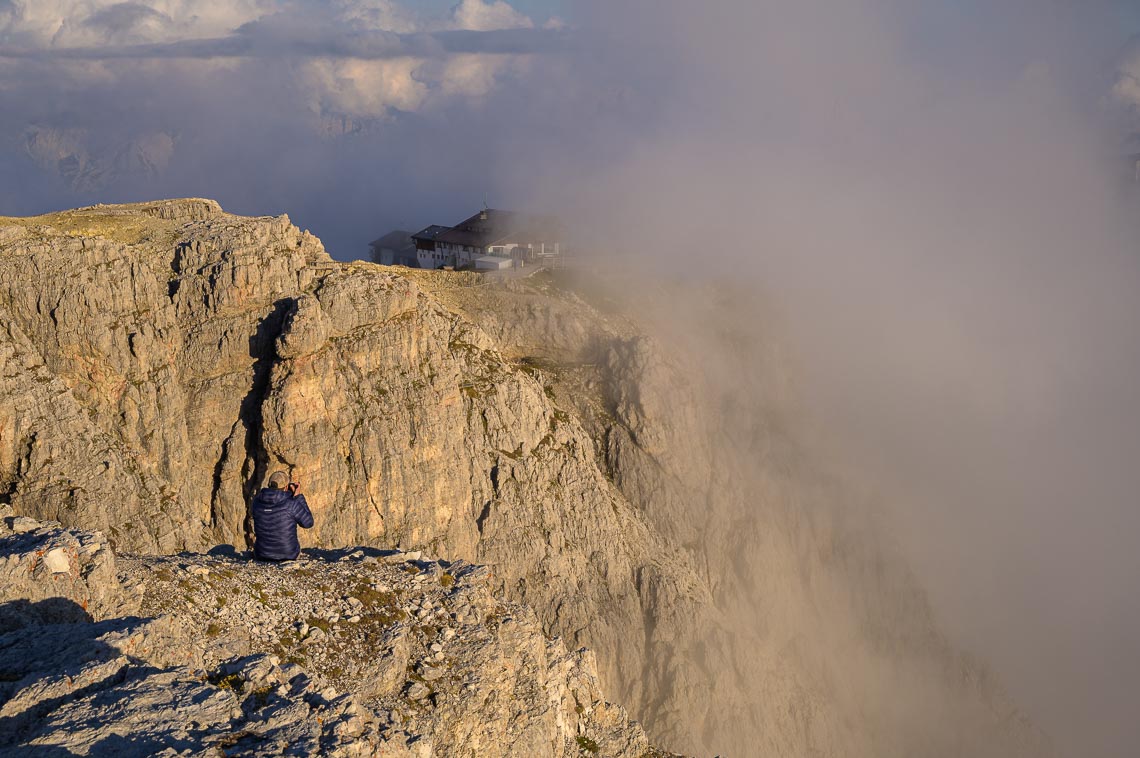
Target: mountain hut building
(490, 240)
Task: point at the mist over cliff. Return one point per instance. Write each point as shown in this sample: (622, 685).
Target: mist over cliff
(936, 202)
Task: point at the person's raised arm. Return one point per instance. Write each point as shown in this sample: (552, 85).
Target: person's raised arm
(301, 512)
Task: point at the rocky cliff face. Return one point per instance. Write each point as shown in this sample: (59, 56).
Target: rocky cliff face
(160, 360)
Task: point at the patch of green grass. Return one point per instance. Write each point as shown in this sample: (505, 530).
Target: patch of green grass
(586, 745)
(381, 607)
(372, 598)
(446, 579)
(231, 682)
(213, 630)
(288, 639)
(387, 618)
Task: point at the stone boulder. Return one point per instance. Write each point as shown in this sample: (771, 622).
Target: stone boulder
(50, 574)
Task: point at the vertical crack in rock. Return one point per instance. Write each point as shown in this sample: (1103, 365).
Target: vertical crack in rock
(217, 509)
(483, 516)
(655, 701)
(262, 348)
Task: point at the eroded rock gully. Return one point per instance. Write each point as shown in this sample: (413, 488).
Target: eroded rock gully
(157, 360)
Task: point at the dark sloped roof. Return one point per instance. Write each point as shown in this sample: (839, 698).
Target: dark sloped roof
(394, 240)
(501, 227)
(431, 232)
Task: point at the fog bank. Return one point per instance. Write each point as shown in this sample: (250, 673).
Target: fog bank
(937, 201)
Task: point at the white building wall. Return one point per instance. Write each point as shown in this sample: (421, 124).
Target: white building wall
(435, 258)
(455, 255)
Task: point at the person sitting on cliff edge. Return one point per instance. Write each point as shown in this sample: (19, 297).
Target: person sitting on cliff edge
(277, 512)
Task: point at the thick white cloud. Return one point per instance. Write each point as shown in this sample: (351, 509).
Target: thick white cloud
(65, 23)
(361, 88)
(357, 58)
(479, 16)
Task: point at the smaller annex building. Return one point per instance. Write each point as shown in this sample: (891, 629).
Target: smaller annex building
(394, 249)
(491, 239)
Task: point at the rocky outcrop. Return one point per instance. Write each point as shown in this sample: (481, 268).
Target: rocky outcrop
(424, 643)
(49, 574)
(169, 355)
(360, 652)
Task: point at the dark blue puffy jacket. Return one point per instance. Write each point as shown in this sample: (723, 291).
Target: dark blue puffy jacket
(276, 515)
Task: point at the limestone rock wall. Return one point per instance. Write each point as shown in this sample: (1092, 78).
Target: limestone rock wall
(138, 340)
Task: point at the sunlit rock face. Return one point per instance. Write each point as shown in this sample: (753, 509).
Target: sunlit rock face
(161, 359)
